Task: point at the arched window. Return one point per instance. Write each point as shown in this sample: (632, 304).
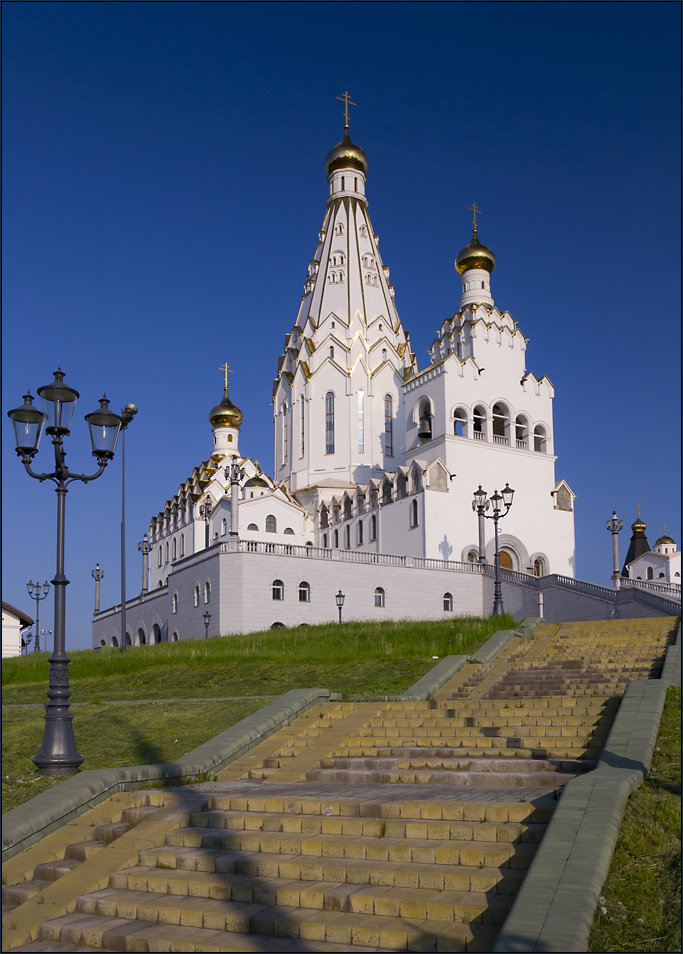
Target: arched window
(325, 541)
(379, 596)
(424, 431)
(388, 422)
(156, 634)
(182, 544)
(501, 422)
(479, 428)
(196, 595)
(324, 517)
(660, 576)
(284, 433)
(252, 526)
(289, 531)
(167, 552)
(141, 637)
(539, 438)
(415, 482)
(373, 527)
(460, 423)
(521, 432)
(505, 560)
(329, 422)
(271, 524)
(347, 536)
(224, 527)
(347, 508)
(413, 514)
(386, 492)
(448, 602)
(304, 592)
(175, 637)
(207, 592)
(650, 573)
(336, 539)
(114, 641)
(401, 486)
(160, 557)
(174, 603)
(175, 549)
(302, 426)
(539, 569)
(472, 556)
(359, 534)
(278, 590)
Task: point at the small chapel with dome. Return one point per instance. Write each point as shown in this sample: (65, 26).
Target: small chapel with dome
(375, 461)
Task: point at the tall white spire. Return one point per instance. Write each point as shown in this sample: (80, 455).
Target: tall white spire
(337, 397)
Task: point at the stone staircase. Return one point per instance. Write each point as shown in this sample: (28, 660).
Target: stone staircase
(369, 826)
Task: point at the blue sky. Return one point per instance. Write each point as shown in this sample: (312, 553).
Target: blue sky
(163, 186)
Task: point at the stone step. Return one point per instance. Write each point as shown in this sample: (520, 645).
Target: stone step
(479, 829)
(14, 894)
(426, 762)
(325, 931)
(499, 728)
(366, 898)
(413, 850)
(507, 779)
(483, 755)
(50, 871)
(263, 865)
(375, 807)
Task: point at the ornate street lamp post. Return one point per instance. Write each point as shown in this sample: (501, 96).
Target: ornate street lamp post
(35, 594)
(205, 513)
(207, 620)
(340, 602)
(127, 415)
(234, 473)
(496, 504)
(58, 755)
(97, 575)
(46, 633)
(614, 526)
(143, 546)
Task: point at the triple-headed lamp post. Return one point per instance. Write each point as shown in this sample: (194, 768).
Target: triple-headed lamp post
(495, 503)
(58, 755)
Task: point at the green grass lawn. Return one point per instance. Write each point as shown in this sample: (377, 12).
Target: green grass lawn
(354, 659)
(640, 907)
(110, 736)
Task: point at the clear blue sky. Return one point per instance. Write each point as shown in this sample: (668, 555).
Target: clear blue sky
(163, 187)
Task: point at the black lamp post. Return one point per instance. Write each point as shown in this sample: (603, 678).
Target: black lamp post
(46, 633)
(127, 415)
(496, 504)
(207, 620)
(205, 513)
(35, 594)
(340, 602)
(58, 755)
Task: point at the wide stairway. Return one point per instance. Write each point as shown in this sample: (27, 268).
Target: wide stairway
(374, 826)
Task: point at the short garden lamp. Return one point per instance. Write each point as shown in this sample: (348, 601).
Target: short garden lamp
(340, 602)
(207, 620)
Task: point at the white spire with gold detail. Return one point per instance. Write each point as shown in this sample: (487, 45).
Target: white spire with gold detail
(225, 419)
(474, 264)
(348, 352)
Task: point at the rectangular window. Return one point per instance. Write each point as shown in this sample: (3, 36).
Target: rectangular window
(303, 429)
(361, 422)
(284, 433)
(388, 426)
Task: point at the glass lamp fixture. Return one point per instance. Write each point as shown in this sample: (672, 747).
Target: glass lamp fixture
(479, 498)
(508, 494)
(104, 427)
(28, 423)
(59, 403)
(497, 502)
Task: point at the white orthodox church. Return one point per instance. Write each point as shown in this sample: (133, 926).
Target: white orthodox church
(375, 465)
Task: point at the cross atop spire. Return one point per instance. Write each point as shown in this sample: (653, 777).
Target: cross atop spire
(227, 370)
(473, 209)
(347, 102)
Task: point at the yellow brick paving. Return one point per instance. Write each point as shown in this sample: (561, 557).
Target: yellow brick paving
(360, 826)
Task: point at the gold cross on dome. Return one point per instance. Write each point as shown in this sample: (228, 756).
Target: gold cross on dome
(347, 102)
(226, 369)
(473, 208)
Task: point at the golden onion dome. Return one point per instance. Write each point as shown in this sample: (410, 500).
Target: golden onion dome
(346, 154)
(638, 526)
(225, 414)
(665, 541)
(475, 255)
(257, 481)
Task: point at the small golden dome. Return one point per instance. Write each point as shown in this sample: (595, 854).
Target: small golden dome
(665, 541)
(257, 481)
(638, 526)
(225, 414)
(475, 255)
(346, 154)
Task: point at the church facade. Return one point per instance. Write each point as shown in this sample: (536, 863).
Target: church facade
(375, 461)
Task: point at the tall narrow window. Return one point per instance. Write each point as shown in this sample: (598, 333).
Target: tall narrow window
(388, 426)
(303, 428)
(329, 422)
(361, 422)
(284, 433)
